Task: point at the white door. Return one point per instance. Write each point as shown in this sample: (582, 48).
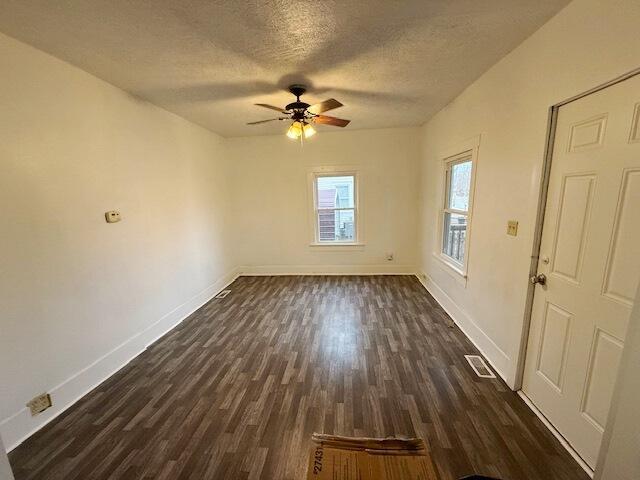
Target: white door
(590, 255)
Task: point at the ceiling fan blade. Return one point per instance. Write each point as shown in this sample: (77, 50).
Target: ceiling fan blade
(264, 121)
(277, 109)
(324, 106)
(327, 120)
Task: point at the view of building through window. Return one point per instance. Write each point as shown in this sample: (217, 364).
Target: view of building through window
(335, 207)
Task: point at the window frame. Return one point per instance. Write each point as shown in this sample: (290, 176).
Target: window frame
(314, 210)
(465, 153)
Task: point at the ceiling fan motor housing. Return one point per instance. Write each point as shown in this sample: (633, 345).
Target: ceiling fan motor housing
(298, 109)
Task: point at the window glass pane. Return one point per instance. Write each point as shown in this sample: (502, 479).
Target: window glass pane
(454, 236)
(336, 192)
(336, 225)
(459, 186)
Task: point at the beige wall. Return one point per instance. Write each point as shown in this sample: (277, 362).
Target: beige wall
(588, 43)
(272, 204)
(80, 297)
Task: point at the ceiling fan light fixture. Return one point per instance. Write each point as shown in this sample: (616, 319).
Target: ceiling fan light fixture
(295, 130)
(308, 130)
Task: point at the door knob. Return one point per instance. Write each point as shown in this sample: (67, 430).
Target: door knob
(541, 278)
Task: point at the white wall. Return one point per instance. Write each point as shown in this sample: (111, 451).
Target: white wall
(271, 199)
(620, 455)
(588, 43)
(80, 297)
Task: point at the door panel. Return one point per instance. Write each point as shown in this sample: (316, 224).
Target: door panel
(590, 252)
(575, 203)
(587, 134)
(553, 345)
(624, 257)
(601, 377)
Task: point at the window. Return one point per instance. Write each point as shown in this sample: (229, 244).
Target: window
(335, 208)
(456, 210)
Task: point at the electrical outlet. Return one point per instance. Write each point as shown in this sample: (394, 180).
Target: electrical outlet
(390, 256)
(112, 216)
(512, 228)
(40, 403)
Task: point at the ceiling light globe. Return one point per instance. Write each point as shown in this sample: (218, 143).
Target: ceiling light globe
(295, 130)
(308, 130)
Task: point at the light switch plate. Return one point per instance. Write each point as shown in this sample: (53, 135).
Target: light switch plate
(112, 216)
(512, 227)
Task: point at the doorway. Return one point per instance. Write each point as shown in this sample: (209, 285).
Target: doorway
(588, 265)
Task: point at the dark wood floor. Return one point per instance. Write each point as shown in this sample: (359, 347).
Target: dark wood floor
(236, 391)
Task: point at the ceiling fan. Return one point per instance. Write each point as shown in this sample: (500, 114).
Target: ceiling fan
(304, 115)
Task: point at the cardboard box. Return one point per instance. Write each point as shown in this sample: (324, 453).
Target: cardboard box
(347, 458)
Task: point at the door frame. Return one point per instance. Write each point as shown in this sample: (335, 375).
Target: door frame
(542, 204)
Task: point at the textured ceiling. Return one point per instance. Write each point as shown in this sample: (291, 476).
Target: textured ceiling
(391, 62)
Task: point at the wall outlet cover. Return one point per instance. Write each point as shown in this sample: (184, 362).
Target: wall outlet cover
(512, 228)
(40, 403)
(112, 216)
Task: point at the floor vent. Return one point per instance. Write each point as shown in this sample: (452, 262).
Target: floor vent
(479, 366)
(223, 294)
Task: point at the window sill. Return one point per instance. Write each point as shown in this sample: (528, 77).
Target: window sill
(457, 272)
(336, 244)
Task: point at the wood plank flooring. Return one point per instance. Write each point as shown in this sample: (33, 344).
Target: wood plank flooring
(236, 391)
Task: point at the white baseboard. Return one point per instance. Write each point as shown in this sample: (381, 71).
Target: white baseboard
(499, 360)
(21, 425)
(556, 434)
(384, 269)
